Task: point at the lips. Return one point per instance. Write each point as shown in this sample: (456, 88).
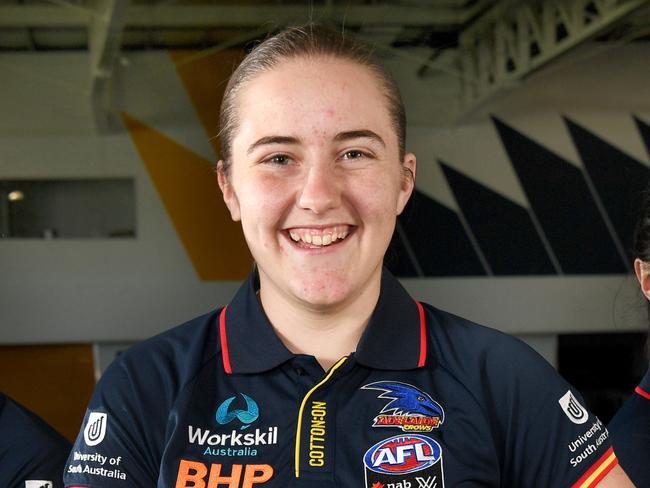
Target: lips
(318, 237)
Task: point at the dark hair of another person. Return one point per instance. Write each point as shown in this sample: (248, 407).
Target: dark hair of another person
(307, 41)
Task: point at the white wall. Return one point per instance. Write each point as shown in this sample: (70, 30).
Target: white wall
(91, 290)
(123, 290)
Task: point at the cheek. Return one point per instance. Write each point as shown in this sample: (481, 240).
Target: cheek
(375, 197)
(263, 201)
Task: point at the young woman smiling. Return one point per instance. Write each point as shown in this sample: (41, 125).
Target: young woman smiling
(322, 371)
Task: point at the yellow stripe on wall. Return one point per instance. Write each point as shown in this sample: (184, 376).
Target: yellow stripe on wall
(205, 80)
(188, 188)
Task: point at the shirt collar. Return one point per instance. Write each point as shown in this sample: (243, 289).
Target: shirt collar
(644, 386)
(395, 338)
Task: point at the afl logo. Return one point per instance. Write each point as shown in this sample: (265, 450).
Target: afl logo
(95, 428)
(572, 408)
(403, 454)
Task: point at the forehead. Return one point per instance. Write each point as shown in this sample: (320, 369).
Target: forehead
(310, 97)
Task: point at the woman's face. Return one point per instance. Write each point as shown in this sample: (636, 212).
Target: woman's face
(316, 179)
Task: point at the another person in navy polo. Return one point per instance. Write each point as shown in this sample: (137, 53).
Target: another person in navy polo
(631, 425)
(32, 454)
(322, 371)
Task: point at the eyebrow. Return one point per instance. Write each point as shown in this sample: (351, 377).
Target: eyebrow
(264, 141)
(359, 134)
(341, 136)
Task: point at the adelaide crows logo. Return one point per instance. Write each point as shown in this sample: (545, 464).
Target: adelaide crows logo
(409, 408)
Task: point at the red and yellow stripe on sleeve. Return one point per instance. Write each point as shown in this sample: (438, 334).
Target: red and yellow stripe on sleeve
(598, 470)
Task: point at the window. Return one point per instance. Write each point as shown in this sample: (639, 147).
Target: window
(72, 208)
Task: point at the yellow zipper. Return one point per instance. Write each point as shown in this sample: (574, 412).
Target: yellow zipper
(302, 407)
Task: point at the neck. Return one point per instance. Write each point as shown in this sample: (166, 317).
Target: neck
(326, 332)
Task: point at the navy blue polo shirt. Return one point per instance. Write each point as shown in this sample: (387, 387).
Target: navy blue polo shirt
(427, 400)
(630, 429)
(32, 454)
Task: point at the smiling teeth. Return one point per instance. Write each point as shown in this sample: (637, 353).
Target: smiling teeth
(318, 240)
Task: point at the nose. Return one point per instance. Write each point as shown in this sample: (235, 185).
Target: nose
(321, 190)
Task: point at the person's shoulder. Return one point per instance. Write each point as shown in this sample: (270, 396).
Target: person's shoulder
(175, 354)
(183, 337)
(29, 447)
(630, 434)
(24, 423)
(632, 420)
(451, 332)
(475, 353)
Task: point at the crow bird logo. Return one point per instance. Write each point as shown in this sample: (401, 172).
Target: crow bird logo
(406, 399)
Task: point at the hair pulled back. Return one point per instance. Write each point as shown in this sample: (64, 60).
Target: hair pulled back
(307, 41)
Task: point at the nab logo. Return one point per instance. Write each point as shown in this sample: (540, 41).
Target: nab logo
(95, 428)
(246, 417)
(572, 408)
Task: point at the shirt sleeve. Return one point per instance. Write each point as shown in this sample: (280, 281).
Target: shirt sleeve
(119, 444)
(630, 430)
(32, 454)
(549, 437)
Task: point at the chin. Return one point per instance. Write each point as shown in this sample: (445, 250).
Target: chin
(325, 292)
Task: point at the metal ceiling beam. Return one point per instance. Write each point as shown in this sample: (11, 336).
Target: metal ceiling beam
(25, 16)
(179, 16)
(515, 38)
(104, 35)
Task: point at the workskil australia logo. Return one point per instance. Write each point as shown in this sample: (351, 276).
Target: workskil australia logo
(235, 442)
(408, 460)
(246, 417)
(409, 409)
(95, 429)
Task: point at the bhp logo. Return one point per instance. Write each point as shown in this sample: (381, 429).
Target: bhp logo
(241, 476)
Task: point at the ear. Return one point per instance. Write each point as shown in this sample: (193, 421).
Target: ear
(642, 271)
(228, 193)
(409, 167)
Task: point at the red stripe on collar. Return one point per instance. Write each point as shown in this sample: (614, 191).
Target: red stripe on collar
(423, 335)
(225, 356)
(643, 393)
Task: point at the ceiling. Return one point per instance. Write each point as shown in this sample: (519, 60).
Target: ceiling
(63, 24)
(493, 43)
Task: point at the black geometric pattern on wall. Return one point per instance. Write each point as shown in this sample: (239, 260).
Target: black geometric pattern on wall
(399, 259)
(564, 206)
(618, 179)
(644, 130)
(580, 221)
(503, 229)
(433, 236)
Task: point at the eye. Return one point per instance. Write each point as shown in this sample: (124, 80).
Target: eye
(279, 159)
(420, 399)
(354, 154)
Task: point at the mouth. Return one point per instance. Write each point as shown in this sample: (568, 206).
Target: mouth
(319, 237)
